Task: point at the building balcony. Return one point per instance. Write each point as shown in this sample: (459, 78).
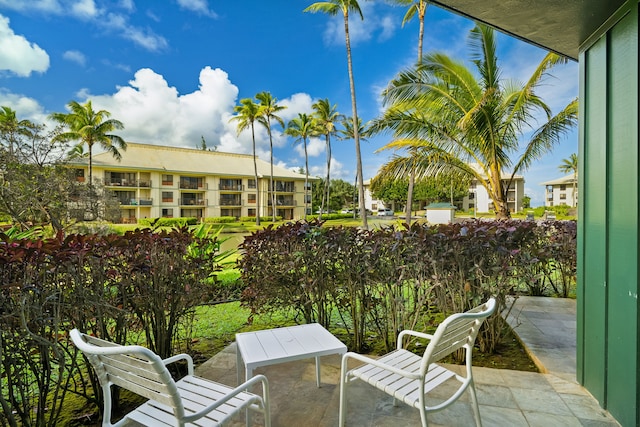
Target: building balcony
(231, 187)
(288, 201)
(230, 202)
(135, 202)
(193, 202)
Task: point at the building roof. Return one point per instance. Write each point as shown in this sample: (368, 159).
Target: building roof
(187, 160)
(560, 26)
(569, 179)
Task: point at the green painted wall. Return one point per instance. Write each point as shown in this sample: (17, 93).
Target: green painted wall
(608, 356)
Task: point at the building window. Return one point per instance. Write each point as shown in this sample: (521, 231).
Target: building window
(563, 187)
(563, 196)
(167, 213)
(308, 198)
(251, 212)
(251, 183)
(167, 179)
(167, 196)
(251, 198)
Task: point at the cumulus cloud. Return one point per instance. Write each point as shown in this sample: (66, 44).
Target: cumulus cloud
(84, 9)
(201, 7)
(297, 103)
(337, 171)
(26, 108)
(18, 55)
(75, 56)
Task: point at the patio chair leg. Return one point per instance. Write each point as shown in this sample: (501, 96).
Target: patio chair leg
(343, 385)
(474, 404)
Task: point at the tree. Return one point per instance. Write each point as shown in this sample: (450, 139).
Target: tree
(570, 165)
(347, 132)
(332, 7)
(90, 127)
(418, 8)
(11, 129)
(326, 116)
(247, 114)
(302, 128)
(269, 107)
(457, 121)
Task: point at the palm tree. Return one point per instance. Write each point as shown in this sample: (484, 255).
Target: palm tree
(570, 165)
(303, 127)
(332, 7)
(326, 116)
(270, 107)
(419, 8)
(460, 122)
(11, 128)
(248, 112)
(347, 132)
(90, 127)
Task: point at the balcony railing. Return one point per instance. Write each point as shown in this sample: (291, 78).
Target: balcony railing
(284, 202)
(287, 188)
(231, 187)
(193, 202)
(187, 185)
(135, 202)
(230, 202)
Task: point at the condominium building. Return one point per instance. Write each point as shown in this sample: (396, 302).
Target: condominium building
(152, 181)
(561, 191)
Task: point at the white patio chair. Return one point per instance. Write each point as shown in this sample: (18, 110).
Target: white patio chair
(170, 403)
(409, 377)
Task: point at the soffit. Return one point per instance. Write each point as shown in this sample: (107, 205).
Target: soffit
(560, 26)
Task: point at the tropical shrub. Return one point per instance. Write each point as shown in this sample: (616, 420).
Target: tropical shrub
(380, 282)
(142, 287)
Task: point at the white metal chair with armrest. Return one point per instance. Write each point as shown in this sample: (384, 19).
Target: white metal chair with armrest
(409, 377)
(191, 400)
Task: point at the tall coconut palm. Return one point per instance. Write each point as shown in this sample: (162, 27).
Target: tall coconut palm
(347, 132)
(247, 114)
(570, 165)
(301, 128)
(11, 128)
(90, 127)
(416, 8)
(270, 107)
(332, 8)
(326, 118)
(474, 124)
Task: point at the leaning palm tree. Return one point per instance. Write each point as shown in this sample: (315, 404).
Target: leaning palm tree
(90, 127)
(248, 112)
(270, 107)
(332, 7)
(570, 165)
(303, 127)
(326, 117)
(419, 8)
(459, 121)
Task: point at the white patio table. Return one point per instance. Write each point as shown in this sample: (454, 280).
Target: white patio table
(272, 346)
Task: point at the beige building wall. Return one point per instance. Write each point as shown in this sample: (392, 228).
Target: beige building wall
(153, 181)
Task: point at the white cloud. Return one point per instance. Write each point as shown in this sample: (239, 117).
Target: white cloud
(18, 55)
(296, 104)
(359, 29)
(26, 108)
(337, 170)
(145, 38)
(84, 9)
(75, 56)
(198, 6)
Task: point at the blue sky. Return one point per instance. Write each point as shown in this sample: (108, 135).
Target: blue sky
(172, 70)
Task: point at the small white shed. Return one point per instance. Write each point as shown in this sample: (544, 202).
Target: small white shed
(440, 213)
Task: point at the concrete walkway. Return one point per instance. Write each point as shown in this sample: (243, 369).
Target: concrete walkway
(507, 398)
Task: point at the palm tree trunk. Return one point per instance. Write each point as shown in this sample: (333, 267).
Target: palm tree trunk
(412, 177)
(306, 178)
(327, 185)
(356, 133)
(273, 190)
(255, 171)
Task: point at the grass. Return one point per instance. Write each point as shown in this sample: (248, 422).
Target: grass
(215, 328)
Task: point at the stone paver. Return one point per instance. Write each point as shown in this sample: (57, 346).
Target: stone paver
(546, 326)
